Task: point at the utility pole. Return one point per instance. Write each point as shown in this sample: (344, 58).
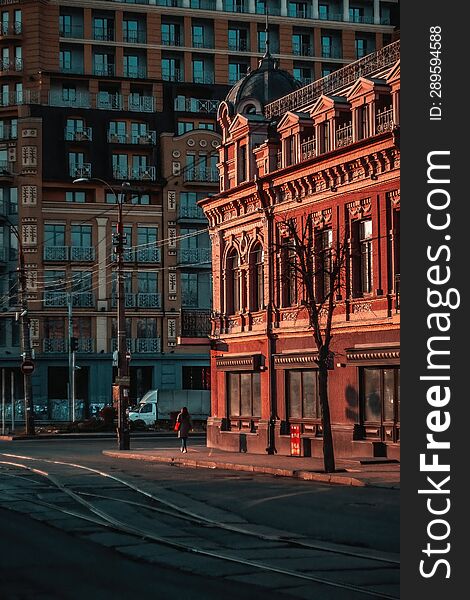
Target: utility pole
(122, 380)
(26, 340)
(73, 343)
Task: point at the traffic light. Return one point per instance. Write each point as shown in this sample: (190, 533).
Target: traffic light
(73, 344)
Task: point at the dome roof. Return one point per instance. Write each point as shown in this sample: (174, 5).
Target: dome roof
(263, 85)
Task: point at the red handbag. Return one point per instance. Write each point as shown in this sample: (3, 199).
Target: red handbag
(177, 425)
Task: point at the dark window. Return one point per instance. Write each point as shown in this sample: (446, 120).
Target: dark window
(257, 280)
(196, 378)
(75, 196)
(244, 394)
(362, 258)
(289, 278)
(303, 401)
(324, 266)
(233, 283)
(380, 395)
(243, 165)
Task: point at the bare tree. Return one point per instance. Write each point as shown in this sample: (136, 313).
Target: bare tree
(313, 262)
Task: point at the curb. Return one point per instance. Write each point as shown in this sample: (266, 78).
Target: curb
(91, 436)
(210, 464)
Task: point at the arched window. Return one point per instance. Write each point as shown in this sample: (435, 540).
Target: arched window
(233, 282)
(257, 278)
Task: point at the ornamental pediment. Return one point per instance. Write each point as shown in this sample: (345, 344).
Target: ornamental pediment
(291, 119)
(364, 86)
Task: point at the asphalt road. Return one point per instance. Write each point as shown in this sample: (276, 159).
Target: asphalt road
(357, 520)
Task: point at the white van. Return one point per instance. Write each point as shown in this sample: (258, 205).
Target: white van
(158, 405)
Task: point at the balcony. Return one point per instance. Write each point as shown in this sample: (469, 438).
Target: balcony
(238, 46)
(384, 120)
(103, 34)
(14, 64)
(147, 345)
(78, 171)
(299, 12)
(104, 70)
(206, 77)
(203, 43)
(307, 148)
(135, 37)
(72, 32)
(83, 300)
(149, 300)
(78, 100)
(202, 175)
(11, 29)
(176, 75)
(146, 139)
(344, 135)
(302, 50)
(195, 323)
(55, 299)
(194, 256)
(142, 173)
(236, 6)
(196, 105)
(135, 72)
(54, 345)
(82, 254)
(330, 52)
(19, 97)
(141, 103)
(118, 138)
(129, 300)
(6, 168)
(107, 101)
(191, 213)
(147, 255)
(56, 253)
(79, 135)
(72, 69)
(173, 41)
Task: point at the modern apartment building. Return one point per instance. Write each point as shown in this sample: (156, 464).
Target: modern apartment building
(121, 91)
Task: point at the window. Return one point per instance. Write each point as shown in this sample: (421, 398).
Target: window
(238, 39)
(103, 64)
(233, 283)
(140, 199)
(324, 266)
(184, 126)
(303, 401)
(242, 168)
(356, 14)
(75, 196)
(303, 74)
(363, 262)
(209, 126)
(117, 131)
(76, 160)
(171, 69)
(323, 13)
(147, 328)
(244, 394)
(120, 166)
(196, 378)
(236, 71)
(289, 277)
(363, 115)
(103, 29)
(54, 235)
(69, 93)
(257, 278)
(81, 236)
(171, 34)
(65, 60)
(82, 281)
(147, 283)
(380, 395)
(54, 328)
(139, 130)
(361, 48)
(189, 290)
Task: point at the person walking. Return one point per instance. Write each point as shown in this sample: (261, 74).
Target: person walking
(183, 426)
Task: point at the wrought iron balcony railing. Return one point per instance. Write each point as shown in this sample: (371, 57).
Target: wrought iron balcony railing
(135, 72)
(206, 77)
(191, 212)
(56, 253)
(107, 101)
(129, 300)
(195, 323)
(344, 135)
(104, 70)
(82, 253)
(196, 105)
(302, 50)
(149, 138)
(60, 345)
(201, 174)
(147, 345)
(79, 135)
(148, 255)
(14, 64)
(203, 43)
(176, 75)
(6, 168)
(135, 37)
(238, 46)
(149, 300)
(384, 120)
(55, 299)
(80, 170)
(103, 34)
(140, 103)
(75, 100)
(308, 148)
(194, 256)
(118, 138)
(142, 173)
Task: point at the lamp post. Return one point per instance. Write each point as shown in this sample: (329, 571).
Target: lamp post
(122, 381)
(27, 366)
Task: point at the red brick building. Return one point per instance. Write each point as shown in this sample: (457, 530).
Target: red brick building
(329, 150)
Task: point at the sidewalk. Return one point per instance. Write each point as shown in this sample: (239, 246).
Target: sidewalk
(356, 472)
(88, 435)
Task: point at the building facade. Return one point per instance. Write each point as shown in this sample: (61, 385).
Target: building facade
(327, 154)
(128, 91)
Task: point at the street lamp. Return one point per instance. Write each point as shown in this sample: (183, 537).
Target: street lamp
(27, 366)
(122, 381)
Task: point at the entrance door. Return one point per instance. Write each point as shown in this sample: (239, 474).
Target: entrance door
(380, 402)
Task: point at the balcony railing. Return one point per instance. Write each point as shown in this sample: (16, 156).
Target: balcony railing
(195, 323)
(149, 300)
(147, 255)
(74, 31)
(238, 46)
(142, 173)
(384, 120)
(82, 254)
(55, 299)
(147, 345)
(194, 256)
(344, 135)
(176, 75)
(11, 28)
(141, 103)
(60, 345)
(295, 101)
(203, 43)
(149, 138)
(206, 77)
(308, 148)
(129, 300)
(77, 100)
(196, 105)
(173, 41)
(302, 50)
(14, 64)
(239, 7)
(189, 299)
(79, 135)
(83, 170)
(191, 212)
(83, 299)
(118, 138)
(107, 101)
(103, 34)
(205, 175)
(135, 37)
(330, 52)
(19, 97)
(129, 344)
(136, 72)
(104, 70)
(72, 69)
(56, 253)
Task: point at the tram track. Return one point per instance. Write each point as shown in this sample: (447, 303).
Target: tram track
(144, 500)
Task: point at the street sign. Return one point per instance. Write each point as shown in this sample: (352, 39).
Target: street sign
(123, 381)
(27, 367)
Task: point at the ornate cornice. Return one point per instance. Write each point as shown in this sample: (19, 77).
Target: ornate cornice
(246, 362)
(297, 360)
(386, 355)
